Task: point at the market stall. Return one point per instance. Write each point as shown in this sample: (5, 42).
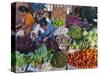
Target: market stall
(73, 44)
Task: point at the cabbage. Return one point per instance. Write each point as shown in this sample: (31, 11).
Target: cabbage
(85, 33)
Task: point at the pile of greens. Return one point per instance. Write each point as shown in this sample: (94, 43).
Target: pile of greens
(75, 32)
(19, 59)
(58, 59)
(58, 22)
(89, 39)
(41, 55)
(36, 58)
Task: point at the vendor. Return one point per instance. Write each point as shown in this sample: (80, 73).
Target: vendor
(48, 29)
(27, 20)
(45, 31)
(47, 16)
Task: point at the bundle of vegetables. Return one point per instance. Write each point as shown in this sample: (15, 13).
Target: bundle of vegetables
(20, 60)
(86, 58)
(61, 30)
(85, 25)
(58, 13)
(72, 20)
(52, 44)
(25, 45)
(58, 59)
(75, 32)
(63, 41)
(88, 40)
(59, 22)
(39, 56)
(81, 44)
(91, 37)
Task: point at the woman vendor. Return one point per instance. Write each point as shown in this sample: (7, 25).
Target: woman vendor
(27, 20)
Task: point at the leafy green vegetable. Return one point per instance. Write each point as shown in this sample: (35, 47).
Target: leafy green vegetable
(89, 39)
(21, 60)
(58, 59)
(58, 22)
(75, 32)
(39, 56)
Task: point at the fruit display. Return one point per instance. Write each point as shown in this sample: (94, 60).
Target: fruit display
(86, 58)
(58, 22)
(75, 32)
(58, 13)
(58, 59)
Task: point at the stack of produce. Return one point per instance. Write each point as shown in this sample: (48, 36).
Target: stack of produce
(58, 60)
(58, 13)
(88, 40)
(39, 56)
(61, 30)
(52, 44)
(86, 58)
(63, 41)
(58, 22)
(72, 20)
(19, 61)
(75, 32)
(25, 45)
(85, 25)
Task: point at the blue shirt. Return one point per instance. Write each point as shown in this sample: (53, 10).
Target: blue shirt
(48, 33)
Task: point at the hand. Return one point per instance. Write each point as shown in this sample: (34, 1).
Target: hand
(34, 35)
(45, 39)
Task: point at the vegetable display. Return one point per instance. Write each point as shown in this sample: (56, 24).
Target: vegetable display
(86, 58)
(63, 37)
(88, 40)
(75, 32)
(21, 60)
(63, 40)
(72, 20)
(85, 25)
(25, 45)
(39, 56)
(58, 59)
(59, 22)
(61, 30)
